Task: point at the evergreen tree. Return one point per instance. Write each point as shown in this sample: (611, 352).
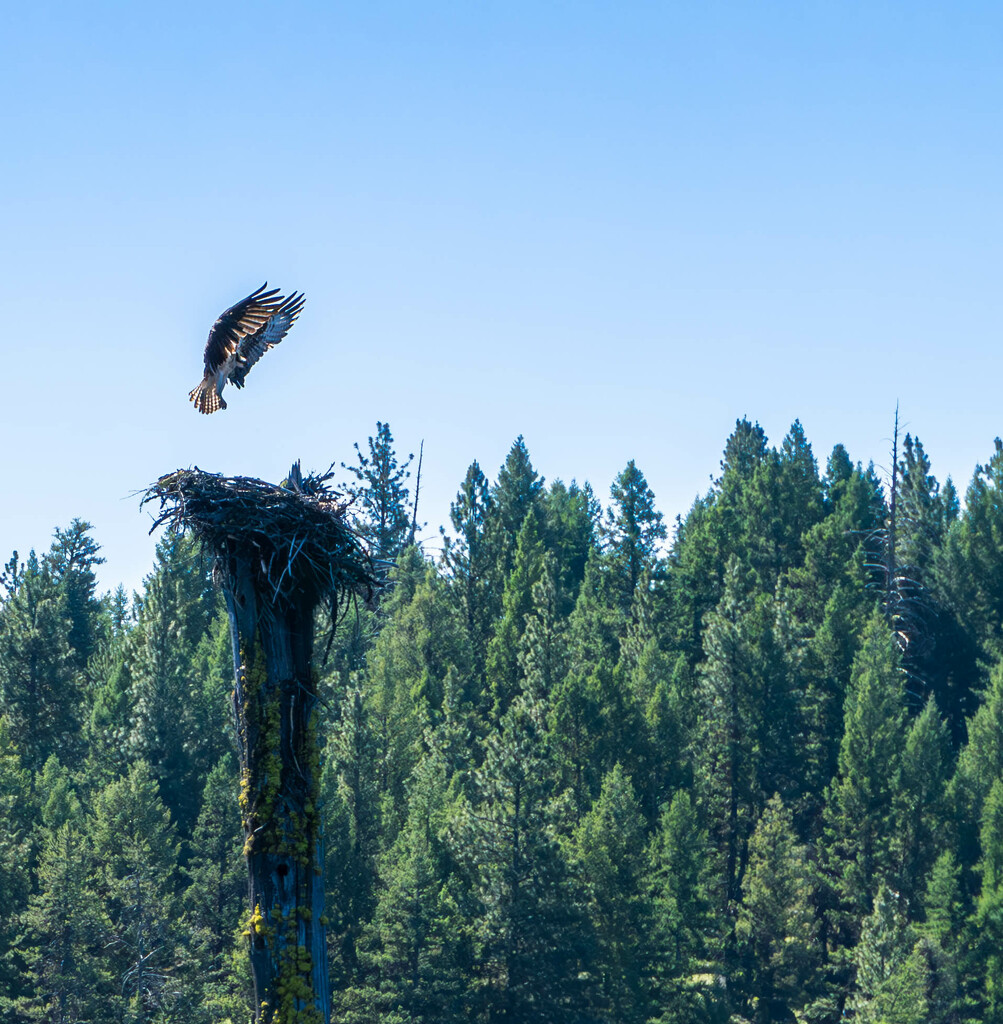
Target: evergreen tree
(932, 640)
(210, 696)
(970, 568)
(517, 490)
(598, 622)
(670, 716)
(530, 927)
(828, 604)
(921, 812)
(840, 547)
(71, 561)
(989, 907)
(949, 940)
(16, 814)
(40, 691)
(470, 559)
(570, 525)
(543, 648)
(892, 976)
(417, 951)
(924, 513)
(861, 808)
(381, 495)
(517, 604)
(121, 612)
(776, 928)
(349, 785)
(684, 958)
(838, 469)
(708, 537)
(216, 895)
(694, 576)
(608, 850)
(506, 728)
(422, 641)
(55, 795)
(777, 507)
(108, 729)
(942, 903)
(65, 929)
(595, 723)
(633, 530)
(575, 726)
(10, 576)
(136, 848)
(980, 764)
(169, 711)
(744, 450)
(744, 743)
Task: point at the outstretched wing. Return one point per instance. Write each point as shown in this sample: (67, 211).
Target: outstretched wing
(253, 346)
(240, 320)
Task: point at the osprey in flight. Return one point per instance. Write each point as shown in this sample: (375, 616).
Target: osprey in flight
(239, 338)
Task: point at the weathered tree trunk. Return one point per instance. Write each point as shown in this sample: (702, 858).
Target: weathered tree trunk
(275, 706)
(278, 551)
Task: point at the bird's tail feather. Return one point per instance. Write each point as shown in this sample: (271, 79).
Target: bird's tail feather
(206, 398)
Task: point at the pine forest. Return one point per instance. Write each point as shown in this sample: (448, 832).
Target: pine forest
(579, 764)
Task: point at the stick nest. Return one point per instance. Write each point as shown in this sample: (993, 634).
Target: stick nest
(295, 535)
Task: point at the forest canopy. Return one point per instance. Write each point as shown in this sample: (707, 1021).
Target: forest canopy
(578, 766)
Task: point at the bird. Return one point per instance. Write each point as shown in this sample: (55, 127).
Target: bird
(239, 338)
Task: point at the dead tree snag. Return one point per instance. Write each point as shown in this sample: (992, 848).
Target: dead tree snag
(279, 551)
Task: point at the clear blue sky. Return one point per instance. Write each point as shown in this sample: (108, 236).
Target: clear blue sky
(613, 228)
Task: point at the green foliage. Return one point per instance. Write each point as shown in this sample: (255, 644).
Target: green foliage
(40, 691)
(608, 850)
(920, 800)
(529, 924)
(776, 923)
(861, 811)
(570, 515)
(170, 724)
(948, 940)
(989, 908)
(349, 787)
(632, 531)
(422, 642)
(684, 958)
(216, 887)
(381, 496)
(136, 851)
(892, 969)
(518, 489)
(502, 665)
(543, 647)
(108, 728)
(16, 813)
(469, 558)
(566, 775)
(65, 929)
(972, 567)
(71, 561)
(980, 764)
(744, 751)
(415, 945)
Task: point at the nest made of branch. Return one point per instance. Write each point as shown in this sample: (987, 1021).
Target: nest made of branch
(295, 536)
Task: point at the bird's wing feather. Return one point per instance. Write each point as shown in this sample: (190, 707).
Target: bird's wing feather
(252, 347)
(242, 319)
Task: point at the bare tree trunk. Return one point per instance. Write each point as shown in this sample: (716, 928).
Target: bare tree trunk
(275, 706)
(891, 555)
(278, 550)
